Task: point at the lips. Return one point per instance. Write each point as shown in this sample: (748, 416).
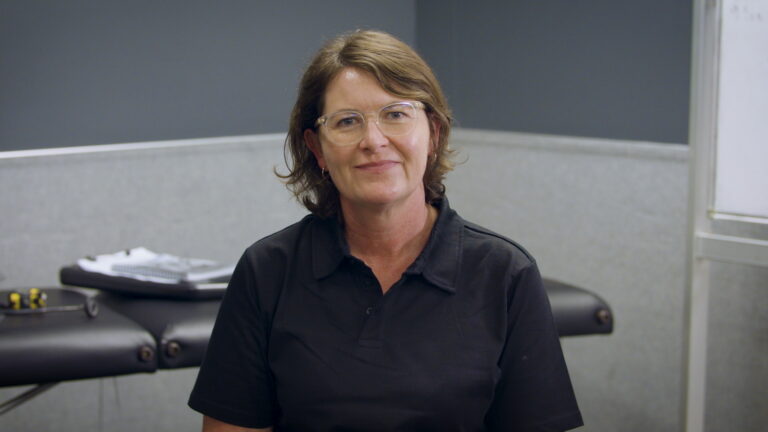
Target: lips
(377, 166)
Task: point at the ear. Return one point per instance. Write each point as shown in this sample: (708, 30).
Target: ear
(435, 134)
(312, 140)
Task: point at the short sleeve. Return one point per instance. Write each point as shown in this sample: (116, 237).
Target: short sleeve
(234, 384)
(534, 391)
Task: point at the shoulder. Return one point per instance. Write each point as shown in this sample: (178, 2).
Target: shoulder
(480, 243)
(465, 252)
(281, 244)
(264, 266)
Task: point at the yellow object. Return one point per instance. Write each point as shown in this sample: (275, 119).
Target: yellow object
(14, 300)
(36, 298)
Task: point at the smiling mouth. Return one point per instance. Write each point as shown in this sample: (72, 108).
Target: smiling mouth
(377, 166)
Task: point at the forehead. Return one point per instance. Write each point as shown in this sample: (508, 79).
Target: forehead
(355, 89)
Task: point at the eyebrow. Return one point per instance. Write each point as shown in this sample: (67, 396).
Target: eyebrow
(361, 111)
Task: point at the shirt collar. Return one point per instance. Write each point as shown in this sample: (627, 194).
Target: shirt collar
(328, 246)
(438, 263)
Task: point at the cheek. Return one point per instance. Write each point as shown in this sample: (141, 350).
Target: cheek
(417, 162)
(334, 158)
(419, 149)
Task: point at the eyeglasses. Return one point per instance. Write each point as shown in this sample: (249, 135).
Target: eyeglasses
(346, 128)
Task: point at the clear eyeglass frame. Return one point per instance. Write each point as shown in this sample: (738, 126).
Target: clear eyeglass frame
(347, 127)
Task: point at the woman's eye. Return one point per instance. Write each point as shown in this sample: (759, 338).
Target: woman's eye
(395, 115)
(346, 122)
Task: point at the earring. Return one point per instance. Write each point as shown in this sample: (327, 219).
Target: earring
(323, 173)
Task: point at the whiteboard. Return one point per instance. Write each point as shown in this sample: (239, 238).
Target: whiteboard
(741, 171)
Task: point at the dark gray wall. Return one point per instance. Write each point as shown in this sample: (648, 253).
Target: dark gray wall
(81, 72)
(599, 68)
(94, 72)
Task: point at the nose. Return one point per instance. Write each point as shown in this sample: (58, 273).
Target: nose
(373, 137)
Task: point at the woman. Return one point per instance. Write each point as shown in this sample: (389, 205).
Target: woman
(383, 309)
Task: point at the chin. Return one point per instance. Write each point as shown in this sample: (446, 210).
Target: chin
(380, 199)
(385, 197)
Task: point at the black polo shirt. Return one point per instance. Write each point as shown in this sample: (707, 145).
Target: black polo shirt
(464, 341)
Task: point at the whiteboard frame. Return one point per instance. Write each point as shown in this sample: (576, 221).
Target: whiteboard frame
(702, 136)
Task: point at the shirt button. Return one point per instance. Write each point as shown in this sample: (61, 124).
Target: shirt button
(369, 311)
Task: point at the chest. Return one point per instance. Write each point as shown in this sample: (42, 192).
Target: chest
(416, 353)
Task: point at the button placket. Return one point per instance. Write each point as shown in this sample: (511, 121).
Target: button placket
(370, 334)
(371, 296)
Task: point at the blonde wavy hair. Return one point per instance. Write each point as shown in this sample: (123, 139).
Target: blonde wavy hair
(401, 72)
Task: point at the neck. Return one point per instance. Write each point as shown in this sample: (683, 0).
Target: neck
(396, 231)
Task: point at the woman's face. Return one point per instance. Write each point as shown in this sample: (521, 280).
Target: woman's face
(380, 170)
